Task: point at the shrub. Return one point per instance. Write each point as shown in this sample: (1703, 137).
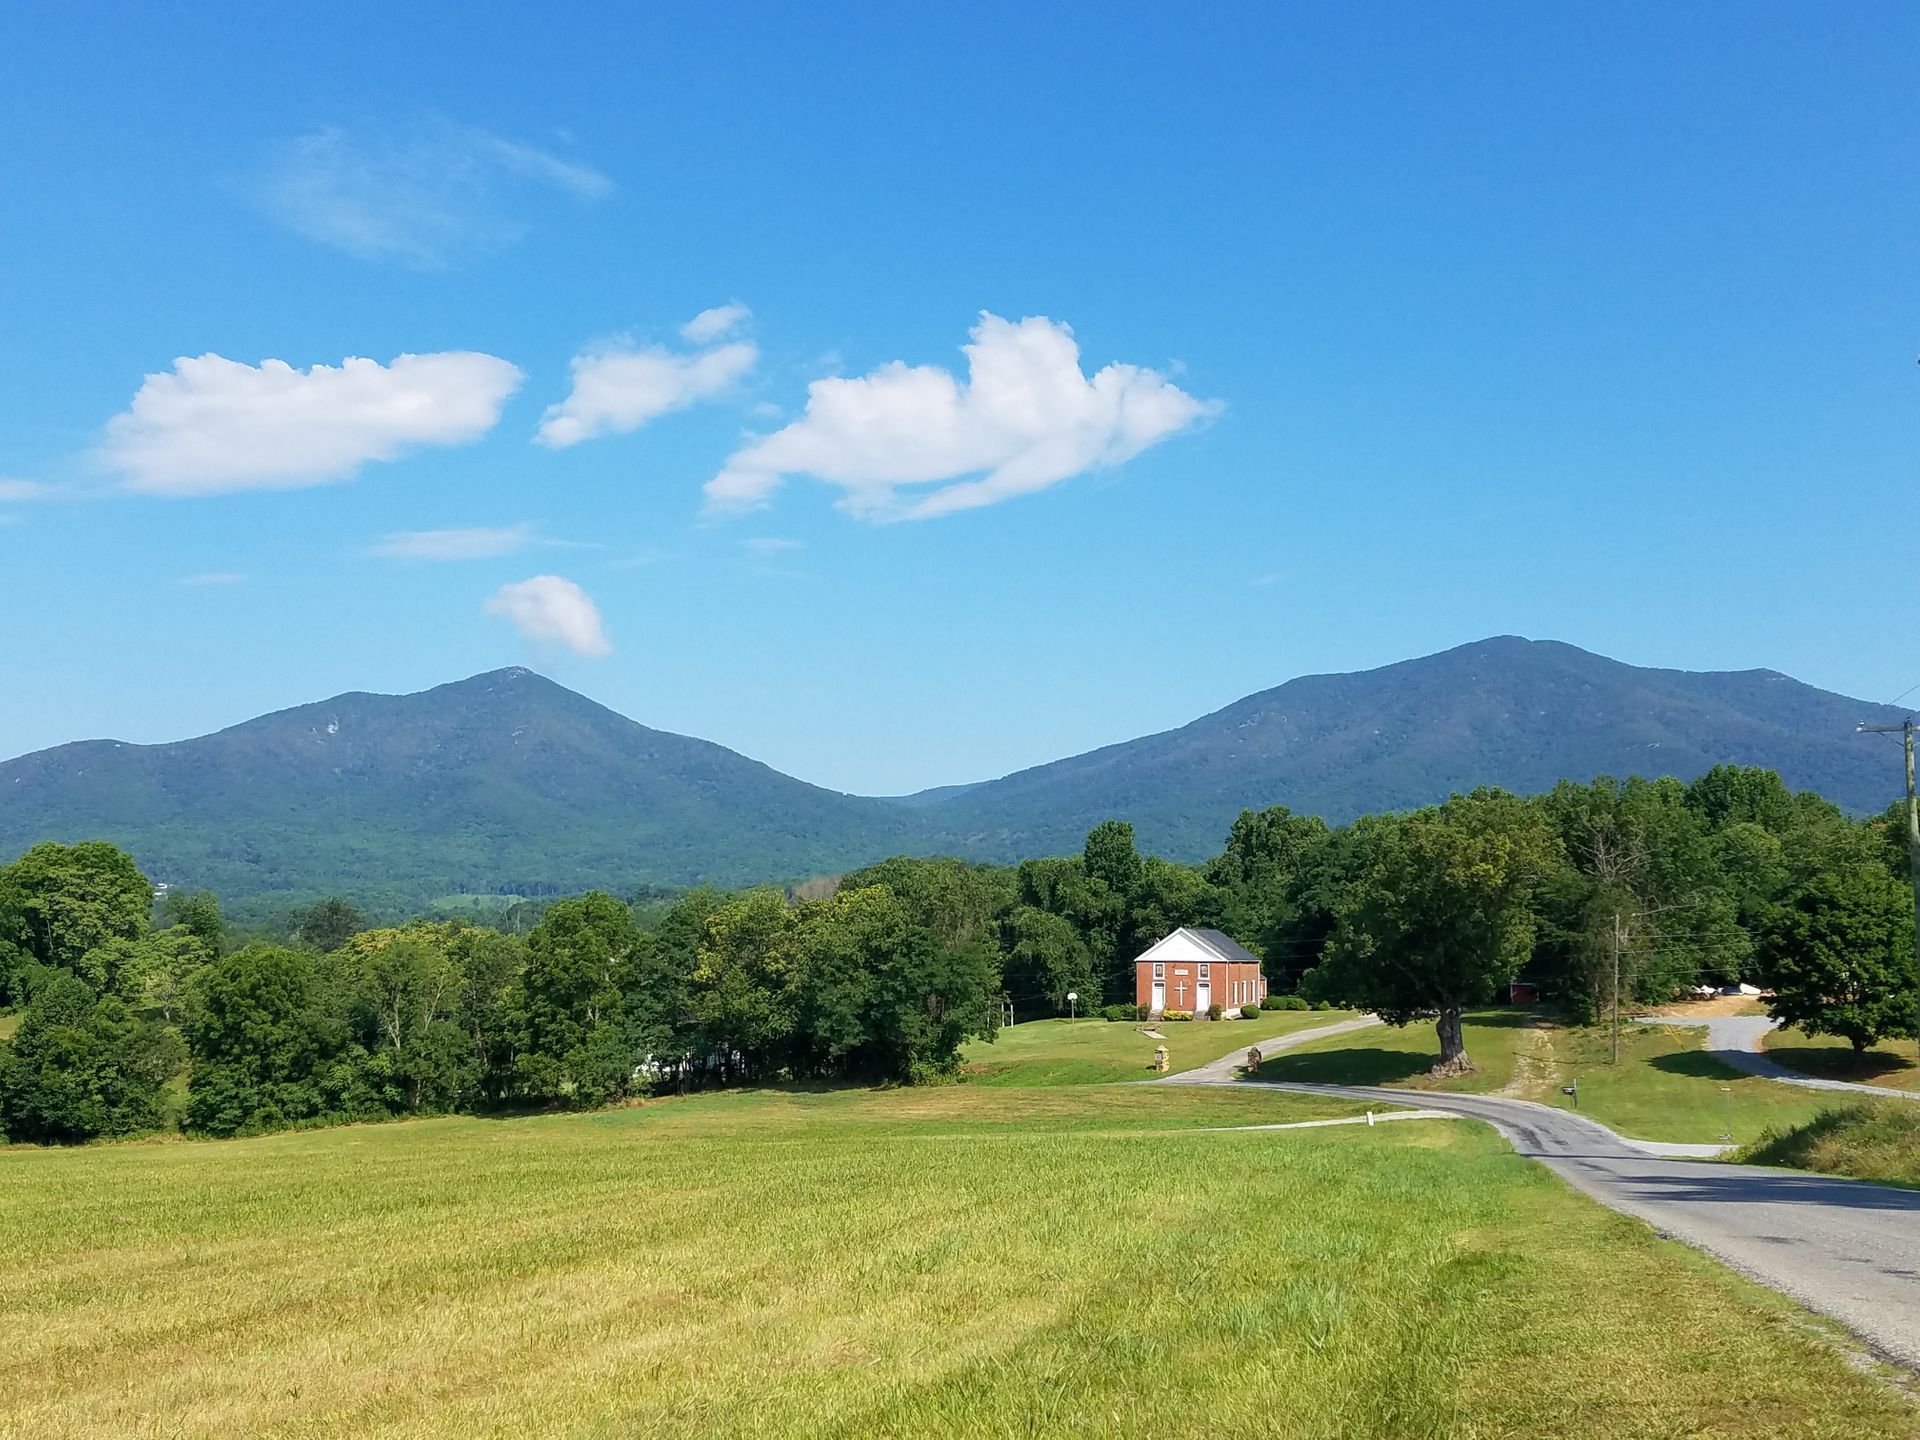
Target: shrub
(1176, 1014)
(1872, 1140)
(1121, 1012)
(1283, 1002)
(1322, 1005)
(1214, 1012)
(1143, 1012)
(1249, 1012)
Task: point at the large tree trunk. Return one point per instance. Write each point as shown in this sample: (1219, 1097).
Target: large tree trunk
(1453, 1045)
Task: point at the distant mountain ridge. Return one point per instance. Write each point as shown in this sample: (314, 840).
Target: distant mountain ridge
(508, 782)
(502, 782)
(1507, 711)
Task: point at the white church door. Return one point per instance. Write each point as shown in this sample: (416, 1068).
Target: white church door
(1159, 995)
(1202, 997)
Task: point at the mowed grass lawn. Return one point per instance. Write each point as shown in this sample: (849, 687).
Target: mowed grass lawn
(964, 1261)
(1085, 1052)
(1828, 1057)
(1663, 1088)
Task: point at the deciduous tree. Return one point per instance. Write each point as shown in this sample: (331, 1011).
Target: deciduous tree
(1839, 957)
(83, 1067)
(1440, 920)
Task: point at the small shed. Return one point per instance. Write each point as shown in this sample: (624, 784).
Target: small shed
(1193, 969)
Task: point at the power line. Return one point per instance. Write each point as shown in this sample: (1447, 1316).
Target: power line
(1904, 693)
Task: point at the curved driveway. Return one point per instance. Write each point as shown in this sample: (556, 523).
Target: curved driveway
(1734, 1040)
(1845, 1248)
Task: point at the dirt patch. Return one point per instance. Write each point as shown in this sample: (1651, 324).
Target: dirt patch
(1709, 1009)
(1532, 1065)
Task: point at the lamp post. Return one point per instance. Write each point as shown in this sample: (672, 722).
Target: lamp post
(1073, 997)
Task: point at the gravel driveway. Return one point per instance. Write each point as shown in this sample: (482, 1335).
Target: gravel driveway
(1735, 1040)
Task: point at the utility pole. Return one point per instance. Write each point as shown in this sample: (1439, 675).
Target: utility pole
(1905, 732)
(1617, 927)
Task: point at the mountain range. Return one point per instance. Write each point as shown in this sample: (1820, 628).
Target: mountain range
(510, 783)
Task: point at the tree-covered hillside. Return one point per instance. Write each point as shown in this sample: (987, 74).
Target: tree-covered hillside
(503, 782)
(510, 783)
(1520, 714)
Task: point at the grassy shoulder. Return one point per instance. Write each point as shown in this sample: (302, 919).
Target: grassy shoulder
(1086, 1052)
(1872, 1140)
(962, 1261)
(1828, 1057)
(1663, 1088)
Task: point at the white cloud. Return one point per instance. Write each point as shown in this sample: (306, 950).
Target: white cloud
(480, 542)
(432, 196)
(770, 544)
(213, 425)
(20, 491)
(214, 577)
(1026, 418)
(622, 386)
(548, 610)
(710, 325)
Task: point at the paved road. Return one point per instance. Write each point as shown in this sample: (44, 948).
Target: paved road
(1215, 1071)
(1844, 1248)
(1734, 1040)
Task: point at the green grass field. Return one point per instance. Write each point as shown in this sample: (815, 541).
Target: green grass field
(1664, 1087)
(1867, 1140)
(1831, 1058)
(1085, 1052)
(962, 1261)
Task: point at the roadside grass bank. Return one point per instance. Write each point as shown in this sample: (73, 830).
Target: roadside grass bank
(1663, 1088)
(1869, 1140)
(1089, 1052)
(958, 1261)
(1828, 1057)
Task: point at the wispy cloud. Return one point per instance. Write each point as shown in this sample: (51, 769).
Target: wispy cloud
(643, 558)
(428, 197)
(1025, 419)
(1262, 581)
(621, 386)
(770, 544)
(213, 425)
(214, 577)
(479, 542)
(710, 325)
(550, 611)
(16, 492)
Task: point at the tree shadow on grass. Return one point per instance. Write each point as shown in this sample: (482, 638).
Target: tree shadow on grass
(1828, 1063)
(1699, 1064)
(1358, 1066)
(1513, 1018)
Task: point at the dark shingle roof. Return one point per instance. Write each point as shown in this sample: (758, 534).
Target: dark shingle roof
(1224, 945)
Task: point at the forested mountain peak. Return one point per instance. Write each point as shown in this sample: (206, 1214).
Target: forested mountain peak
(1505, 711)
(509, 781)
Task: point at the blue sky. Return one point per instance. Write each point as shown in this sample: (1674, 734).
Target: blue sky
(1397, 325)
